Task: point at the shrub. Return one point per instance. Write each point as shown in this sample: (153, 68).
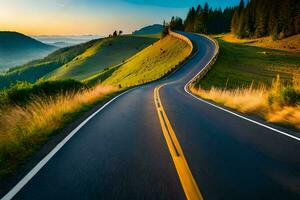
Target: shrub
(165, 31)
(22, 92)
(289, 96)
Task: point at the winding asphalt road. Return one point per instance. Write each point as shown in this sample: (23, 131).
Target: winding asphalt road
(121, 152)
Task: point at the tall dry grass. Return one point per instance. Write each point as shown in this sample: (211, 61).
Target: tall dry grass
(23, 128)
(272, 103)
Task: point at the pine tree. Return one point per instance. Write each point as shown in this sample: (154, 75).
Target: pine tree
(198, 20)
(260, 17)
(235, 22)
(190, 20)
(297, 18)
(273, 25)
(204, 19)
(176, 24)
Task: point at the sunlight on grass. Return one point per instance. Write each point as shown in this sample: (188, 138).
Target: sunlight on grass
(152, 63)
(291, 44)
(278, 103)
(24, 128)
(102, 54)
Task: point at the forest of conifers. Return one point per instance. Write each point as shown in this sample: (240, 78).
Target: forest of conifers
(254, 18)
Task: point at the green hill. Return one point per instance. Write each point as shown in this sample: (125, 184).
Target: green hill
(102, 54)
(35, 70)
(150, 64)
(16, 49)
(78, 62)
(149, 30)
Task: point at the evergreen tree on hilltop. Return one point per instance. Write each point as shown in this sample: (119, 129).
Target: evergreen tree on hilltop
(198, 20)
(190, 20)
(204, 19)
(297, 17)
(235, 22)
(260, 18)
(176, 24)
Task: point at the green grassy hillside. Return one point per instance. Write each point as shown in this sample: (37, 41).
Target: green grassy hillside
(238, 65)
(35, 70)
(103, 54)
(262, 82)
(78, 62)
(16, 49)
(151, 63)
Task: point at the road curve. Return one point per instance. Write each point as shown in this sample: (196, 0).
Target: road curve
(121, 153)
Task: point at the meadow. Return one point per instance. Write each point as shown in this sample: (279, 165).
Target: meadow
(290, 44)
(102, 54)
(255, 80)
(151, 63)
(241, 65)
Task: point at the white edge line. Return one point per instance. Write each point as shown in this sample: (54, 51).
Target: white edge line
(228, 111)
(44, 161)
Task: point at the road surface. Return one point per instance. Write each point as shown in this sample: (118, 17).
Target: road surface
(122, 153)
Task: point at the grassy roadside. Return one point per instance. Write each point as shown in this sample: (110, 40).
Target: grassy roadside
(255, 80)
(27, 126)
(239, 65)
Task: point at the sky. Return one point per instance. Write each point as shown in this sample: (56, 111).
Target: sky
(97, 17)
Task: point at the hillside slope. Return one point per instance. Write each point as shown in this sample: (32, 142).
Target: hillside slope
(36, 69)
(240, 65)
(16, 49)
(78, 62)
(102, 54)
(291, 44)
(151, 63)
(149, 30)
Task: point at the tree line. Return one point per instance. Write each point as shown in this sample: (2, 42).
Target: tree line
(204, 19)
(258, 18)
(255, 18)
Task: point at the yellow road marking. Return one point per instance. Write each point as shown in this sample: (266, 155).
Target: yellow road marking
(187, 180)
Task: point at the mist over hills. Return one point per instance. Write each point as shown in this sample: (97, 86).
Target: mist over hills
(17, 49)
(65, 40)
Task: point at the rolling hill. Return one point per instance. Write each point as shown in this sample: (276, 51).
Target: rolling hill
(17, 49)
(78, 62)
(102, 54)
(151, 63)
(149, 30)
(36, 69)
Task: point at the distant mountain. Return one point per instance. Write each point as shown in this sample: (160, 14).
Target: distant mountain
(62, 44)
(17, 49)
(152, 29)
(65, 40)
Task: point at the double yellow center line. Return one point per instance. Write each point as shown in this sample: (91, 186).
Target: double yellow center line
(187, 180)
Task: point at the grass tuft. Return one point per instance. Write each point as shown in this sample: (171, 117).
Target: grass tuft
(23, 128)
(278, 103)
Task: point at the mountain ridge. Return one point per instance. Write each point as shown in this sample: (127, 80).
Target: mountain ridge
(17, 48)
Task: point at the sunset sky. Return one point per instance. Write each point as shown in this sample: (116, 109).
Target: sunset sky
(78, 17)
